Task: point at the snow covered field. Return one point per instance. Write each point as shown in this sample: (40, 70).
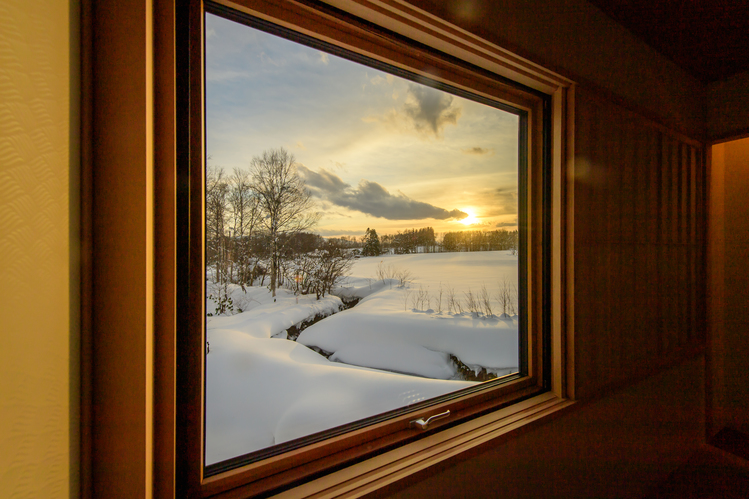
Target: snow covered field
(394, 348)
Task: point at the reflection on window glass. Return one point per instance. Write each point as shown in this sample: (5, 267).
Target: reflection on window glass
(361, 241)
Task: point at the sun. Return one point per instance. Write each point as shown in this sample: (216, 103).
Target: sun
(470, 219)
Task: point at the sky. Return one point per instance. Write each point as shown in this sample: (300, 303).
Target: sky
(375, 150)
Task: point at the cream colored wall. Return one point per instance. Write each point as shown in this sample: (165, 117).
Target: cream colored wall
(39, 254)
(729, 271)
(728, 107)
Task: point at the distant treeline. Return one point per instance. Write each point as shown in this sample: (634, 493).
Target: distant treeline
(410, 241)
(478, 240)
(425, 240)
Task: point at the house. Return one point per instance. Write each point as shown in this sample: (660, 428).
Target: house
(649, 396)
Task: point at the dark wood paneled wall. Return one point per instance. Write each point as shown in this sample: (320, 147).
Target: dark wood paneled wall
(639, 246)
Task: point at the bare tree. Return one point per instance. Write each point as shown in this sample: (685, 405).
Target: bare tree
(216, 191)
(217, 252)
(318, 271)
(285, 204)
(244, 215)
(506, 297)
(333, 263)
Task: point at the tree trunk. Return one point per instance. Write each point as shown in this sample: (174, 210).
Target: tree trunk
(273, 270)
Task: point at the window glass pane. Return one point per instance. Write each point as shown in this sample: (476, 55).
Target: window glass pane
(361, 241)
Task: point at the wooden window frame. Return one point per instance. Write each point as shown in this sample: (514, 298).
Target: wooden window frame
(165, 451)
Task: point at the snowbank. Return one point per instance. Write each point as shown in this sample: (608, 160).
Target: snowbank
(262, 389)
(271, 318)
(380, 320)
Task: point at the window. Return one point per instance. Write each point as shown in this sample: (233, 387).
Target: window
(432, 293)
(221, 446)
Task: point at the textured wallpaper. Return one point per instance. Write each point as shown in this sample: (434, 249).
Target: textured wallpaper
(38, 297)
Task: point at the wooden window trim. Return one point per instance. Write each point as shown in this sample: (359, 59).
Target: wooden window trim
(387, 469)
(157, 455)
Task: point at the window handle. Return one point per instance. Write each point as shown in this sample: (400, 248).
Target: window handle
(425, 424)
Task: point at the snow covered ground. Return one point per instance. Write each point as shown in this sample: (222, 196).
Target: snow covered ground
(391, 350)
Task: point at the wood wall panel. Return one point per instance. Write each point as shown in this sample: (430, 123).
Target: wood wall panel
(639, 246)
(728, 382)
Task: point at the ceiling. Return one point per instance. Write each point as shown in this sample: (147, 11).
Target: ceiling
(708, 38)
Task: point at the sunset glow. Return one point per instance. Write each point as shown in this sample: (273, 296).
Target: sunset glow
(470, 219)
(374, 150)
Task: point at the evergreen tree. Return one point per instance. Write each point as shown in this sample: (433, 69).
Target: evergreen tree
(371, 243)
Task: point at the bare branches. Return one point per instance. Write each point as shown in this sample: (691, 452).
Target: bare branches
(217, 250)
(486, 301)
(472, 302)
(421, 299)
(319, 271)
(244, 211)
(507, 296)
(453, 303)
(285, 203)
(403, 276)
(439, 300)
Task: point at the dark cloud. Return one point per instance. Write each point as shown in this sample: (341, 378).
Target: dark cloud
(478, 151)
(426, 111)
(506, 224)
(324, 181)
(325, 214)
(430, 110)
(372, 198)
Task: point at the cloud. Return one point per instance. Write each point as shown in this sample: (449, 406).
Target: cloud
(323, 181)
(266, 59)
(380, 80)
(425, 111)
(326, 214)
(324, 58)
(478, 151)
(479, 224)
(430, 110)
(339, 165)
(506, 201)
(338, 232)
(506, 224)
(499, 201)
(372, 198)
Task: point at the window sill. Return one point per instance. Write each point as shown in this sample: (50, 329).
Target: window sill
(370, 475)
